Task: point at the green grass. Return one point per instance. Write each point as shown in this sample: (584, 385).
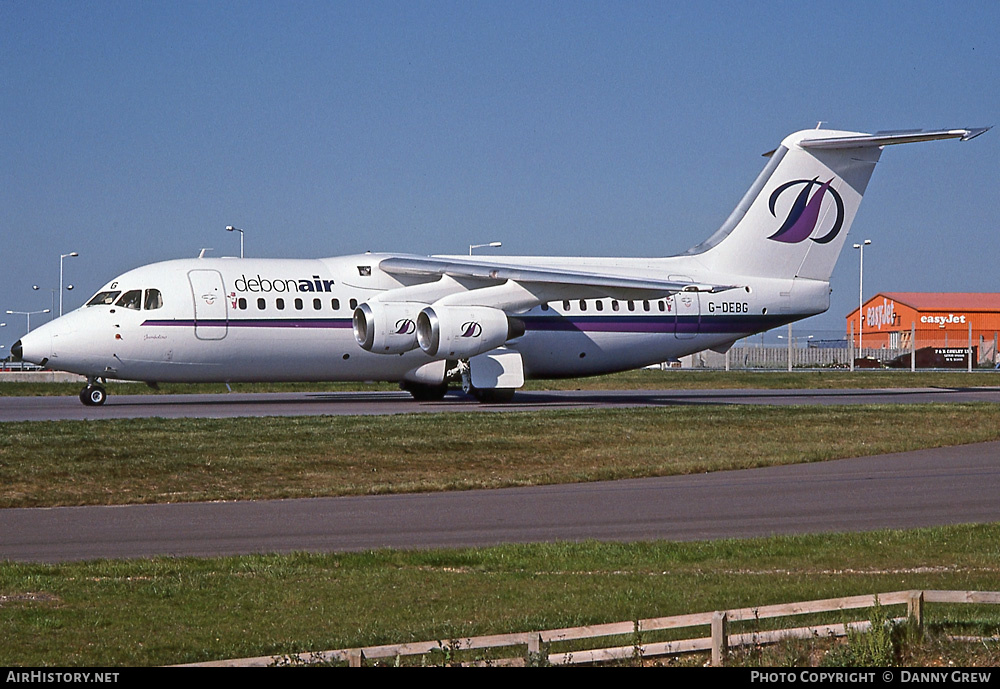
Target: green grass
(10, 389)
(158, 460)
(628, 380)
(162, 611)
(833, 379)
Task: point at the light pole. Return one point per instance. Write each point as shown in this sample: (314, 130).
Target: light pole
(480, 246)
(28, 314)
(861, 292)
(797, 338)
(53, 291)
(61, 257)
(52, 301)
(791, 343)
(230, 228)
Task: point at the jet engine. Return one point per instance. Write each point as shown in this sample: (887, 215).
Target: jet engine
(460, 332)
(386, 328)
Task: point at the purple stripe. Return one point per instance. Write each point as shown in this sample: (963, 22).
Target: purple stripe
(609, 324)
(256, 323)
(659, 324)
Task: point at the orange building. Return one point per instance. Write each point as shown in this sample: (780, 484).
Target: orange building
(935, 319)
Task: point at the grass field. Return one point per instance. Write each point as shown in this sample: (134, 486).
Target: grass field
(164, 611)
(173, 460)
(644, 379)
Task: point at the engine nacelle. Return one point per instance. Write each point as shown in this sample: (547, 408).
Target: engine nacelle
(460, 332)
(386, 328)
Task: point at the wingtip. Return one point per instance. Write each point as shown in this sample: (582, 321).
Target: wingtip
(972, 133)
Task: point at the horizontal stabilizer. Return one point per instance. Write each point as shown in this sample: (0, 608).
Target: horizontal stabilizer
(890, 138)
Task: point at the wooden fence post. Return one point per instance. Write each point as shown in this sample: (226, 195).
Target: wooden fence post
(720, 638)
(915, 608)
(355, 658)
(534, 654)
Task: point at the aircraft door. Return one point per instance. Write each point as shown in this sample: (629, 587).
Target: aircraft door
(211, 310)
(687, 311)
(687, 315)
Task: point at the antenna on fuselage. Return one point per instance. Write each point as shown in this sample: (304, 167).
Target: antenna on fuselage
(202, 254)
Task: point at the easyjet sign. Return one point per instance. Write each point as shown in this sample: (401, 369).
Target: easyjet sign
(943, 320)
(881, 314)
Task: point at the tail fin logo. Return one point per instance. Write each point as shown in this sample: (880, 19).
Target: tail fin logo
(804, 215)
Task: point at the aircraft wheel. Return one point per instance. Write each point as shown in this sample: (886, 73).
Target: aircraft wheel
(494, 395)
(93, 395)
(426, 393)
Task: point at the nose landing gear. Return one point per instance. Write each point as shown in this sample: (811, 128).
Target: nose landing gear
(94, 395)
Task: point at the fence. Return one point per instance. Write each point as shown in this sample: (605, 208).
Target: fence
(778, 357)
(808, 351)
(535, 647)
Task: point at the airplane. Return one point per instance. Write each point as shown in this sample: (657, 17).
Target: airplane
(430, 321)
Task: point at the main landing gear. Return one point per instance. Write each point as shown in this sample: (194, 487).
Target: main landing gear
(94, 395)
(494, 368)
(486, 395)
(492, 395)
(423, 392)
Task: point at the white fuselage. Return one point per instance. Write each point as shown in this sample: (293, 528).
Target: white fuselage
(290, 320)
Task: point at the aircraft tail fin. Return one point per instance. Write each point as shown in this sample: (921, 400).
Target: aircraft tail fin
(794, 220)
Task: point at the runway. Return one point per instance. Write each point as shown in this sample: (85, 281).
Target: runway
(375, 403)
(900, 491)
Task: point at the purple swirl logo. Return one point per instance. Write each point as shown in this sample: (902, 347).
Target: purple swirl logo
(804, 215)
(405, 326)
(471, 329)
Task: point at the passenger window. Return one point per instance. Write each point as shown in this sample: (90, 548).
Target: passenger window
(565, 306)
(261, 304)
(298, 304)
(335, 304)
(614, 304)
(663, 307)
(354, 304)
(154, 300)
(645, 305)
(130, 300)
(280, 304)
(599, 304)
(631, 306)
(545, 307)
(103, 298)
(242, 304)
(583, 304)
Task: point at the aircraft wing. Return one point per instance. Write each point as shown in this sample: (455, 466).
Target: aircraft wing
(538, 275)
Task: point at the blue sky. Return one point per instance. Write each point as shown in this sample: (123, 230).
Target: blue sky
(133, 132)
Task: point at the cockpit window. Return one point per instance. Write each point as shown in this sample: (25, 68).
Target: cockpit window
(154, 299)
(131, 299)
(104, 298)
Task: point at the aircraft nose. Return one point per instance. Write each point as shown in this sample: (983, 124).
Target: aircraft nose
(33, 347)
